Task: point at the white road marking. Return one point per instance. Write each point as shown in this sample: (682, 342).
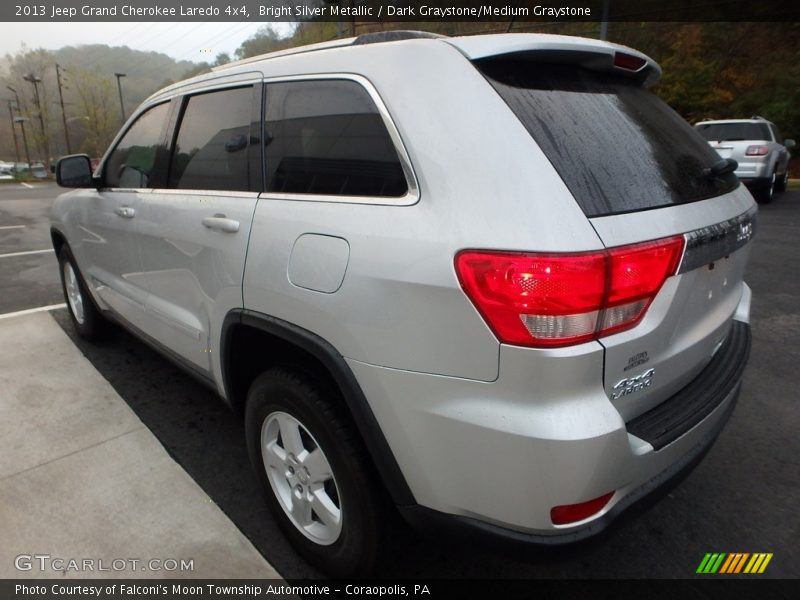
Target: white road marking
(30, 311)
(27, 185)
(9, 255)
(12, 226)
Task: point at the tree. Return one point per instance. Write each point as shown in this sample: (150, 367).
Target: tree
(40, 65)
(97, 103)
(266, 39)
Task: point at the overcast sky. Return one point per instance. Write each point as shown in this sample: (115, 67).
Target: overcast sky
(182, 41)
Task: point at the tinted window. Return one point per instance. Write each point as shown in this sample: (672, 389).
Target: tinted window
(778, 136)
(732, 132)
(211, 150)
(139, 158)
(617, 146)
(327, 137)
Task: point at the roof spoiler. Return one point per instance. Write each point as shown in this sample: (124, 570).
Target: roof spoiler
(593, 55)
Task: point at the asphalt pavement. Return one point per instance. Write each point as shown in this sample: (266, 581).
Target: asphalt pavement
(741, 498)
(28, 270)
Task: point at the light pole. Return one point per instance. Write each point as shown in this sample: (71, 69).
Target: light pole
(16, 96)
(21, 121)
(119, 89)
(604, 20)
(19, 110)
(63, 112)
(13, 129)
(31, 78)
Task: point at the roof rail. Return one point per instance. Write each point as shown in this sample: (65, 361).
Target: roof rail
(394, 36)
(366, 38)
(337, 43)
(759, 117)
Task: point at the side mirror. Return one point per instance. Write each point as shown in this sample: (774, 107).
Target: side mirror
(789, 143)
(74, 171)
(236, 143)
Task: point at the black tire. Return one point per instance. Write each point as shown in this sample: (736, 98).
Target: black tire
(362, 501)
(780, 183)
(89, 323)
(767, 193)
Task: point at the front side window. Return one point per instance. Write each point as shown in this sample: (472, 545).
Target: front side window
(138, 159)
(327, 137)
(211, 150)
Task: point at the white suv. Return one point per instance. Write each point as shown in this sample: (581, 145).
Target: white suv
(760, 152)
(468, 277)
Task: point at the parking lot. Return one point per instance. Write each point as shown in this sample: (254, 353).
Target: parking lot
(741, 498)
(28, 271)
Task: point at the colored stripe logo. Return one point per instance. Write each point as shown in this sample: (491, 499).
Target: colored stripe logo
(734, 563)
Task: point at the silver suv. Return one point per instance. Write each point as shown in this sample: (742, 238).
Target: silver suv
(469, 278)
(761, 153)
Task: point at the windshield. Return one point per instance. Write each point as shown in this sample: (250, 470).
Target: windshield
(617, 146)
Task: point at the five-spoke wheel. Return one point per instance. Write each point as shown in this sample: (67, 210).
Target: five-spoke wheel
(320, 483)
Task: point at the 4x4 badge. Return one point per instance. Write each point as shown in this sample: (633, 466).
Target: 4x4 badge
(745, 231)
(629, 385)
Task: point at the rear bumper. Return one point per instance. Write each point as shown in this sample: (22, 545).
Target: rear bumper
(676, 416)
(753, 168)
(458, 527)
(496, 457)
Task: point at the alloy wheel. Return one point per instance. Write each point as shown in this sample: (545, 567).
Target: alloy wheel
(301, 478)
(74, 296)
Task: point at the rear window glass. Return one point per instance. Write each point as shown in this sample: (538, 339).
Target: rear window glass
(732, 132)
(327, 137)
(617, 147)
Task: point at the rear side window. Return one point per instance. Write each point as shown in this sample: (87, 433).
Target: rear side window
(211, 149)
(778, 136)
(327, 137)
(734, 132)
(139, 158)
(617, 147)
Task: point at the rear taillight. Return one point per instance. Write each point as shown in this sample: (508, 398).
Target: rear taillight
(562, 299)
(757, 151)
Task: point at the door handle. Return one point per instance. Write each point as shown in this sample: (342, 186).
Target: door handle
(125, 211)
(221, 223)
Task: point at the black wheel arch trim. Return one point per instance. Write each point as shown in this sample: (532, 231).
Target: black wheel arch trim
(55, 232)
(353, 396)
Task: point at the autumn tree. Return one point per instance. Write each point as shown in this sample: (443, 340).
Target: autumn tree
(23, 69)
(97, 104)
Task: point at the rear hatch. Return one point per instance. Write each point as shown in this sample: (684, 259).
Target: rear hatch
(640, 173)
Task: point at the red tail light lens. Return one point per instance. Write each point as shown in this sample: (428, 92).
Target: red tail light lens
(636, 275)
(757, 151)
(563, 299)
(572, 513)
